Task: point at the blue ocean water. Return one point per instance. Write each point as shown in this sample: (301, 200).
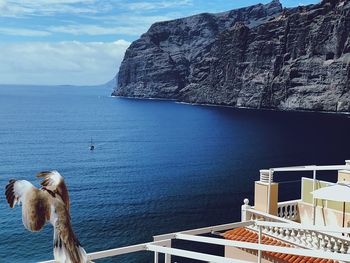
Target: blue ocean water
(158, 167)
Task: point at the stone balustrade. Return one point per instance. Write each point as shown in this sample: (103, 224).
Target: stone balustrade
(288, 210)
(308, 239)
(299, 237)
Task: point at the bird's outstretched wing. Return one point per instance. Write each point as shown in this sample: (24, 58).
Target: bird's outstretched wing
(54, 182)
(35, 203)
(67, 247)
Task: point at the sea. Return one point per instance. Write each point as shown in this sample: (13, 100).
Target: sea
(158, 166)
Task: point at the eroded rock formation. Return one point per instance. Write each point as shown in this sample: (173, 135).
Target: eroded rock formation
(261, 56)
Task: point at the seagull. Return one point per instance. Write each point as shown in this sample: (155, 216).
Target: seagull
(50, 203)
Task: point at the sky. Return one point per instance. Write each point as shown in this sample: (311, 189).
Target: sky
(82, 42)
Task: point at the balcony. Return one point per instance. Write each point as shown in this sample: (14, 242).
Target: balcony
(281, 231)
(288, 228)
(271, 231)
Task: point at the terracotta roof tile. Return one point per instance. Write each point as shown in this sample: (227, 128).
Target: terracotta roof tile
(246, 235)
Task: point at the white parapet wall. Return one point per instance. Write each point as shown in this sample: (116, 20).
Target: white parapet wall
(327, 213)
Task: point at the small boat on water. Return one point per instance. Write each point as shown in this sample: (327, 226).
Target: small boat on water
(92, 146)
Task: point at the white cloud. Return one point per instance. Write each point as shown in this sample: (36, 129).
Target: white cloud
(135, 19)
(73, 62)
(133, 25)
(21, 8)
(130, 25)
(95, 30)
(23, 32)
(145, 6)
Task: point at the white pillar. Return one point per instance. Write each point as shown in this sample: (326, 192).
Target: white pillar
(167, 256)
(269, 192)
(156, 257)
(259, 242)
(313, 199)
(245, 215)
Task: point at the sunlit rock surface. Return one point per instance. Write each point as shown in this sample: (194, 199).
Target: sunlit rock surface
(261, 56)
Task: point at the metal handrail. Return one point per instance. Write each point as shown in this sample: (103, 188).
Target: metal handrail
(159, 240)
(269, 248)
(162, 245)
(311, 168)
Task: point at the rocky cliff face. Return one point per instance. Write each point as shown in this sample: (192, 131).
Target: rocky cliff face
(258, 57)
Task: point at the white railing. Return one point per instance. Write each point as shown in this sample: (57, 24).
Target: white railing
(270, 248)
(162, 243)
(288, 210)
(300, 235)
(309, 242)
(317, 238)
(311, 168)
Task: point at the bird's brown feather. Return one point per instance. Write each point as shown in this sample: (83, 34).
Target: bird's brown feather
(47, 204)
(38, 210)
(56, 187)
(10, 195)
(35, 203)
(66, 235)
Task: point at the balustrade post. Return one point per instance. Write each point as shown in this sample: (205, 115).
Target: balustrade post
(342, 248)
(329, 244)
(304, 237)
(287, 234)
(336, 246)
(298, 235)
(323, 243)
(156, 257)
(295, 212)
(281, 232)
(245, 214)
(315, 240)
(259, 242)
(309, 239)
(286, 212)
(280, 211)
(167, 256)
(347, 249)
(292, 235)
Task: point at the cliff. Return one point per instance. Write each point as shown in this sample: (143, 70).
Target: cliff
(261, 56)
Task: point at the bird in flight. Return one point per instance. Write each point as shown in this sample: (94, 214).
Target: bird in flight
(50, 203)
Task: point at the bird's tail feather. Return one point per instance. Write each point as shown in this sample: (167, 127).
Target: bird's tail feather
(63, 254)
